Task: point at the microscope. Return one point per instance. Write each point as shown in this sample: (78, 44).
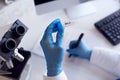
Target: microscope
(13, 59)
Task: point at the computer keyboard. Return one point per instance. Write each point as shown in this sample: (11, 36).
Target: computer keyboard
(110, 27)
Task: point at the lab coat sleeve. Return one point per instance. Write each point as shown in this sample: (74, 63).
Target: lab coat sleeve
(106, 59)
(61, 76)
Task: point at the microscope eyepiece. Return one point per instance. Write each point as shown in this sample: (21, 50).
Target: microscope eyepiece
(9, 45)
(20, 30)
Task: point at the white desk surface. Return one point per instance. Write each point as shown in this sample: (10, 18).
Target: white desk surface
(76, 69)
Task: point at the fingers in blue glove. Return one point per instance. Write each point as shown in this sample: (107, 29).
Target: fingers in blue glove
(59, 38)
(118, 79)
(55, 26)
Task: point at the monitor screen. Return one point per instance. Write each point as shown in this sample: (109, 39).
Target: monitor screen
(37, 2)
(45, 6)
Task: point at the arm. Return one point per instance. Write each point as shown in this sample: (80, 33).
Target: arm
(104, 58)
(53, 51)
(107, 59)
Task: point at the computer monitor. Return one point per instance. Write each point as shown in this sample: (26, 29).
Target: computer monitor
(37, 2)
(45, 6)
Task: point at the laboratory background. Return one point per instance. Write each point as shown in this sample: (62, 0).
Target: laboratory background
(77, 16)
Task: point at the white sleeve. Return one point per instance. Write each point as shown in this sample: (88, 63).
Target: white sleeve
(61, 76)
(107, 59)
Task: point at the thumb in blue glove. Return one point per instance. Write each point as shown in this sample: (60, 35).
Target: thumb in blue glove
(53, 51)
(82, 50)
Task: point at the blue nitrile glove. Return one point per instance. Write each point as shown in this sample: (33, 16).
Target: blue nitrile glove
(82, 50)
(53, 51)
(118, 79)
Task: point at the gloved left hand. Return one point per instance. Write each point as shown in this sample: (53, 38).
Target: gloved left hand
(53, 51)
(118, 79)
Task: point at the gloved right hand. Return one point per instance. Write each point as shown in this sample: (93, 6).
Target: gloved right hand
(118, 79)
(53, 51)
(82, 50)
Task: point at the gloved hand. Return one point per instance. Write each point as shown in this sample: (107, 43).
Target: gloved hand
(82, 50)
(53, 51)
(118, 79)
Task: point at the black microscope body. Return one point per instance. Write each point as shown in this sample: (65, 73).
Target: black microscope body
(10, 55)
